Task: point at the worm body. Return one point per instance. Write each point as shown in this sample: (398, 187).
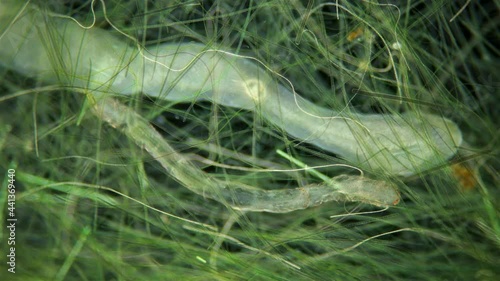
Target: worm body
(61, 51)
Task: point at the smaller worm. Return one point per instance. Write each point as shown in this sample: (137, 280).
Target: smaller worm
(236, 195)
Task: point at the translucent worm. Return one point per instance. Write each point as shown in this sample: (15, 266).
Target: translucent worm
(59, 50)
(56, 49)
(237, 195)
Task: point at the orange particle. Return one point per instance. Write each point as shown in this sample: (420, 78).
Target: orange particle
(465, 176)
(396, 201)
(355, 34)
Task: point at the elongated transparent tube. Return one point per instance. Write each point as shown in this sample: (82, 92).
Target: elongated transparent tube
(59, 50)
(236, 195)
(56, 61)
